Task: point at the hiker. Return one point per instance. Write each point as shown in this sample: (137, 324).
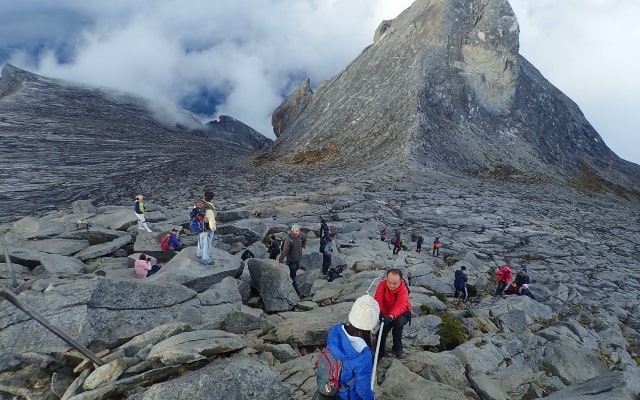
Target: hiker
(294, 244)
(392, 296)
(524, 290)
(171, 242)
(503, 276)
(205, 238)
(350, 343)
(419, 244)
(397, 243)
(383, 233)
(138, 208)
(460, 284)
(522, 278)
(324, 234)
(512, 289)
(274, 248)
(436, 247)
(326, 254)
(143, 267)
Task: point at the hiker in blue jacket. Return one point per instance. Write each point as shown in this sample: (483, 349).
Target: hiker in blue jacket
(460, 284)
(351, 343)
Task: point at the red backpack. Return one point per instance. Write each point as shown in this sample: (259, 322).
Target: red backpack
(164, 242)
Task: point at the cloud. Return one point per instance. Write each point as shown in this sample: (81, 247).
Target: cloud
(241, 58)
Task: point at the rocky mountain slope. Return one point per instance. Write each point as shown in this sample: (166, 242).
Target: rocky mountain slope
(444, 87)
(62, 141)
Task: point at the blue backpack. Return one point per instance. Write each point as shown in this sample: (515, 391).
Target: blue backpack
(197, 223)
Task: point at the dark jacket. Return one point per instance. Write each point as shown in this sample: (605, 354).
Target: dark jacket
(292, 248)
(460, 280)
(358, 365)
(521, 279)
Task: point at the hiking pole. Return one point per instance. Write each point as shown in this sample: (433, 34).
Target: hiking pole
(375, 358)
(370, 286)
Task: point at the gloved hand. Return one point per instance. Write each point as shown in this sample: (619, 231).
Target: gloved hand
(380, 317)
(388, 320)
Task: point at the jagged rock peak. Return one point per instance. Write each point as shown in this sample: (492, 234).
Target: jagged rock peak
(230, 129)
(443, 87)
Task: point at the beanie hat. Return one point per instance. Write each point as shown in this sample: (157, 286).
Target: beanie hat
(295, 227)
(364, 313)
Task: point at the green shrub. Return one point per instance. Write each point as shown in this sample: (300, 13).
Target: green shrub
(452, 333)
(471, 290)
(426, 310)
(440, 296)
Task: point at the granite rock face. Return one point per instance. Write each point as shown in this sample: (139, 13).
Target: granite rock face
(443, 86)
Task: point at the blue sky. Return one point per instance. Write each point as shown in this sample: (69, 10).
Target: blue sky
(244, 57)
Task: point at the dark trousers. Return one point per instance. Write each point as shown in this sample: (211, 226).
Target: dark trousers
(501, 286)
(396, 249)
(396, 327)
(326, 263)
(153, 270)
(419, 247)
(436, 251)
(293, 270)
(463, 291)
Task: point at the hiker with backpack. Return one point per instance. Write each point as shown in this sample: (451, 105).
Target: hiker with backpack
(138, 208)
(326, 253)
(170, 241)
(503, 277)
(350, 344)
(203, 220)
(460, 284)
(274, 248)
(392, 295)
(419, 244)
(383, 233)
(436, 247)
(294, 244)
(397, 243)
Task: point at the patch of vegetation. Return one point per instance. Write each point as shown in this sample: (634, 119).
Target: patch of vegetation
(589, 181)
(426, 310)
(450, 260)
(452, 333)
(502, 172)
(440, 296)
(309, 157)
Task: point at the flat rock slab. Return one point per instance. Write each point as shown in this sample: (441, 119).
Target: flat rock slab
(193, 346)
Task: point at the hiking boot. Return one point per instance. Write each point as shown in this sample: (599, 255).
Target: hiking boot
(399, 354)
(205, 262)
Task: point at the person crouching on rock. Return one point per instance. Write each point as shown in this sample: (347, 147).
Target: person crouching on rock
(144, 268)
(350, 343)
(294, 244)
(392, 296)
(503, 276)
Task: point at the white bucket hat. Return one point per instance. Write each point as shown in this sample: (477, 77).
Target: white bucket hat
(364, 313)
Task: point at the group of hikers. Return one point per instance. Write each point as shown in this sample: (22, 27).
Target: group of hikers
(348, 343)
(399, 243)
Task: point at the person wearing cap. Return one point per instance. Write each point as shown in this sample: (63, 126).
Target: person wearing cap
(460, 284)
(350, 343)
(174, 241)
(205, 238)
(392, 296)
(294, 244)
(138, 208)
(503, 276)
(522, 278)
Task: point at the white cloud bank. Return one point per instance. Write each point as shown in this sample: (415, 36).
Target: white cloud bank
(252, 53)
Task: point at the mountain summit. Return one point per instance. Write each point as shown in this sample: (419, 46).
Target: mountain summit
(444, 87)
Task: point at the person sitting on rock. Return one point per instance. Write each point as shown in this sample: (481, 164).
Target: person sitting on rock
(522, 278)
(143, 267)
(350, 343)
(512, 289)
(503, 277)
(174, 241)
(524, 290)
